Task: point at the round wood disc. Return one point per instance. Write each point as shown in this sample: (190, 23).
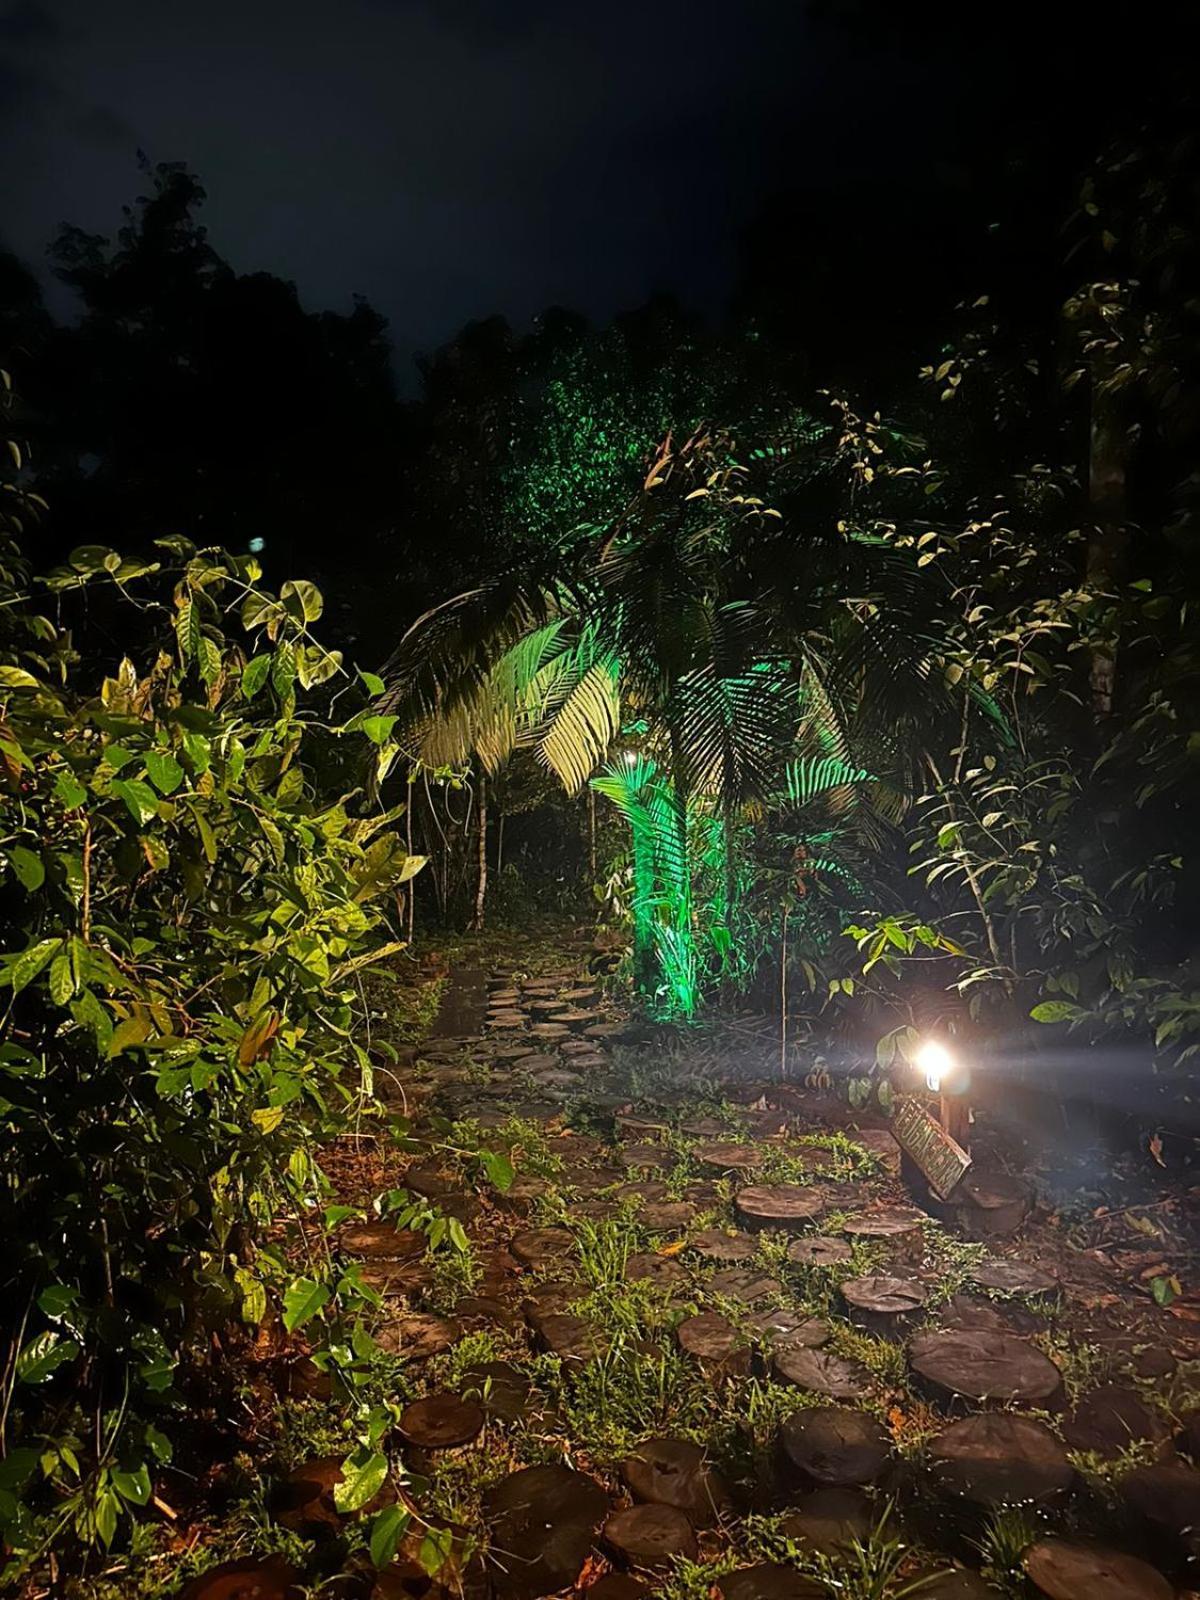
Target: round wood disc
(674, 1472)
(745, 1284)
(540, 1247)
(252, 1578)
(836, 1446)
(882, 1303)
(821, 1372)
(880, 1144)
(441, 1422)
(552, 1296)
(506, 1021)
(574, 1018)
(768, 1580)
(646, 1158)
(974, 1365)
(418, 1337)
(549, 1030)
(716, 1245)
(828, 1520)
(1013, 1277)
(1063, 1569)
(722, 1157)
(651, 1268)
(1109, 1419)
(784, 1326)
(990, 1204)
(892, 1222)
(1167, 1497)
(714, 1343)
(788, 1207)
(545, 1008)
(604, 1030)
(383, 1241)
(501, 1389)
(819, 1250)
(996, 1458)
(534, 1061)
(953, 1583)
(542, 1522)
(650, 1536)
(571, 1338)
(667, 1216)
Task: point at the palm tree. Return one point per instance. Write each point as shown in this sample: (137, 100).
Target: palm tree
(720, 613)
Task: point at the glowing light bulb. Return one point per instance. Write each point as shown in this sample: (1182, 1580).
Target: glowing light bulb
(630, 759)
(936, 1062)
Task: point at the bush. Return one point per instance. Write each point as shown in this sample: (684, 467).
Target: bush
(183, 918)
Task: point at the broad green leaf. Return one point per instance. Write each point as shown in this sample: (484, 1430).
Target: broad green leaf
(62, 980)
(1054, 1011)
(69, 790)
(301, 1302)
(56, 1300)
(165, 772)
(108, 1510)
(254, 675)
(387, 1531)
(133, 1486)
(378, 729)
(274, 838)
(31, 961)
(42, 1356)
(302, 599)
(372, 683)
(498, 1168)
(198, 750)
(187, 631)
(139, 798)
(363, 1475)
(436, 1549)
(17, 678)
(28, 866)
(132, 1031)
(267, 1118)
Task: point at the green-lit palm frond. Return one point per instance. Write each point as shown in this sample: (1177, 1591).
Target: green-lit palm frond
(808, 777)
(584, 723)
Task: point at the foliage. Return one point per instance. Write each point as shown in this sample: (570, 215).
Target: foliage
(184, 917)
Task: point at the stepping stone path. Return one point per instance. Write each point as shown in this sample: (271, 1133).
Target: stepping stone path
(665, 1240)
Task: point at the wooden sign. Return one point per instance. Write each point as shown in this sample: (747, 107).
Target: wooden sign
(929, 1146)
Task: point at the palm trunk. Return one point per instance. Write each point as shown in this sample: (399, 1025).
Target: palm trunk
(481, 881)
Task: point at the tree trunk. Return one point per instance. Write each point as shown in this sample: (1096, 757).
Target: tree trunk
(476, 925)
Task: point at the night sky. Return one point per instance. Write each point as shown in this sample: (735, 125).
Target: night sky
(454, 158)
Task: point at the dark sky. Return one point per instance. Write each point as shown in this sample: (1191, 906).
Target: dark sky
(453, 158)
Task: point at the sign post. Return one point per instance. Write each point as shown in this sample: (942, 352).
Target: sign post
(929, 1145)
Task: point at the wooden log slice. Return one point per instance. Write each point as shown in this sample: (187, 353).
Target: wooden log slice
(647, 1158)
(768, 1580)
(574, 1018)
(588, 1060)
(966, 1311)
(647, 1267)
(431, 1180)
(604, 1030)
(642, 1189)
(667, 1216)
(724, 1157)
(418, 1337)
(522, 1195)
(898, 1226)
(650, 1537)
(1013, 1277)
(251, 1578)
(579, 1047)
(674, 1472)
(581, 995)
(553, 1296)
(617, 1586)
(744, 1284)
(1168, 1499)
(821, 1372)
(883, 1304)
(534, 1061)
(1109, 1419)
(542, 1521)
(383, 1241)
(787, 1207)
(544, 1008)
(985, 1367)
(506, 1021)
(499, 1388)
(1064, 1569)
(487, 1310)
(715, 1245)
(543, 1247)
(304, 1503)
(879, 1144)
(996, 1458)
(953, 1583)
(819, 1250)
(548, 1031)
(510, 1050)
(715, 1345)
(784, 1326)
(989, 1205)
(828, 1520)
(835, 1446)
(590, 1180)
(441, 1422)
(571, 1339)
